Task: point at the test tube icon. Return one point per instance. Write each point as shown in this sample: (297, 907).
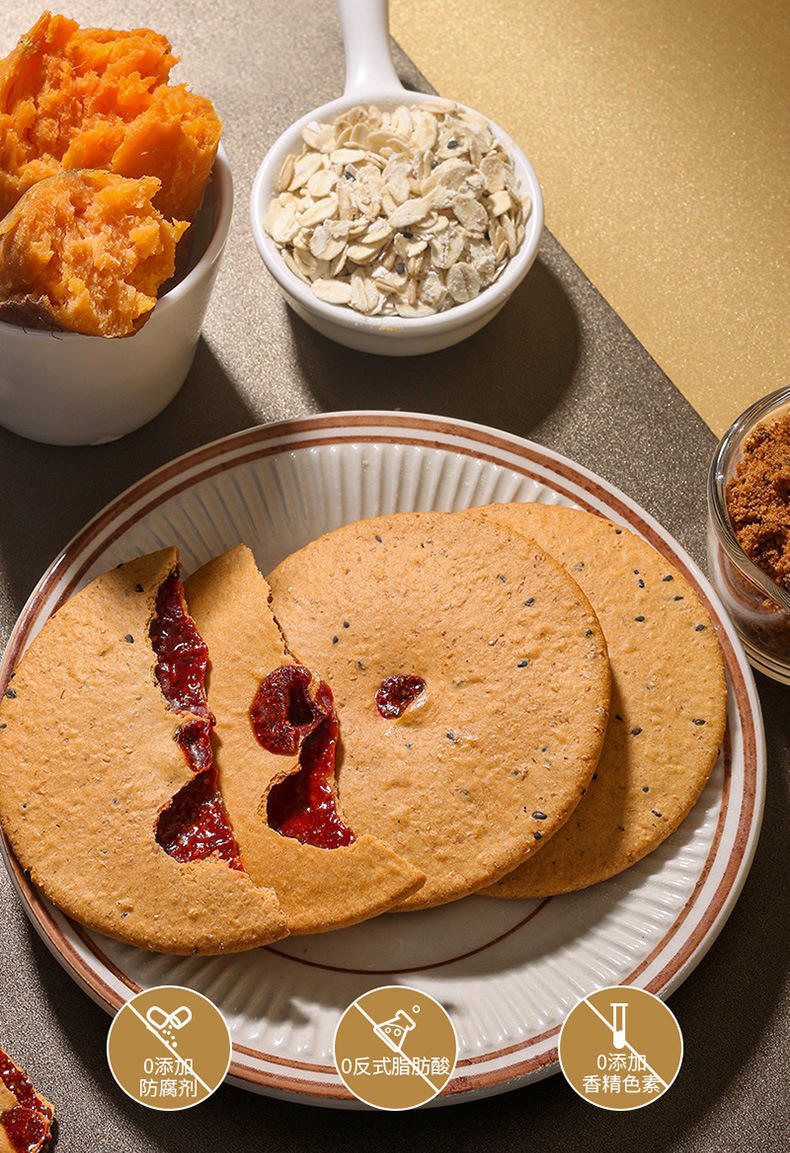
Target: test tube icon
(618, 1023)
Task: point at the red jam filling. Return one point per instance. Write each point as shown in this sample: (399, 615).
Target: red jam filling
(397, 693)
(181, 652)
(287, 720)
(26, 1123)
(19, 1083)
(194, 740)
(282, 712)
(25, 1129)
(195, 824)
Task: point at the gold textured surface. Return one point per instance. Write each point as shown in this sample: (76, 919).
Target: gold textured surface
(659, 132)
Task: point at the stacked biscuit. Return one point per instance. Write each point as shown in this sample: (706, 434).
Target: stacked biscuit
(412, 709)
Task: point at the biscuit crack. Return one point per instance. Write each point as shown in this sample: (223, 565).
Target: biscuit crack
(195, 825)
(288, 719)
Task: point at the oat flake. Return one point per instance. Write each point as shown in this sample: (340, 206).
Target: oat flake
(404, 212)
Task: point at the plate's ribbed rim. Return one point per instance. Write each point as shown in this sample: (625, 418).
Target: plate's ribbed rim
(78, 952)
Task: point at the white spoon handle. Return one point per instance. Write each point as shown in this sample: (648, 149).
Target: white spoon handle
(366, 37)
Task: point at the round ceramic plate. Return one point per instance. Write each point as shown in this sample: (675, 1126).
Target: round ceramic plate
(507, 971)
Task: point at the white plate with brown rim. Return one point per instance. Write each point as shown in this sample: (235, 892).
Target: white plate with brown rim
(507, 971)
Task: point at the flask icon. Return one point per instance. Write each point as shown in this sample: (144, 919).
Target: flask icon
(393, 1031)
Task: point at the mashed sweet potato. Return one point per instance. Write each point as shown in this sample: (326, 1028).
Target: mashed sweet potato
(74, 98)
(87, 251)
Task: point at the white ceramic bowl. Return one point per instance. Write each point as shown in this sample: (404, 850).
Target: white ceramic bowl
(66, 388)
(371, 79)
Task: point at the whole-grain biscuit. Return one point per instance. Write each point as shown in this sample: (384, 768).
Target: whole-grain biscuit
(96, 776)
(669, 699)
(471, 683)
(322, 878)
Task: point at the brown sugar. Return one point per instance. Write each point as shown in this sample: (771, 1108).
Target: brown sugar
(758, 499)
(86, 251)
(75, 97)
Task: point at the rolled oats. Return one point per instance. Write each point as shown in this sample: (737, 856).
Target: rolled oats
(404, 212)
(463, 283)
(332, 291)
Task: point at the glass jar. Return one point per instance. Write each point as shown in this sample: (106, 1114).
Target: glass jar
(758, 605)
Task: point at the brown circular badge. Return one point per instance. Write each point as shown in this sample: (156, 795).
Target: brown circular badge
(395, 1047)
(169, 1047)
(620, 1048)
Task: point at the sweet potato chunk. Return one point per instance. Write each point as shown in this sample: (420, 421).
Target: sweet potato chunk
(176, 140)
(86, 251)
(75, 97)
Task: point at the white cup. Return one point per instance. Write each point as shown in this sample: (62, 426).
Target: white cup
(67, 388)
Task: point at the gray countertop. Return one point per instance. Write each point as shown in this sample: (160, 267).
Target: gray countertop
(557, 366)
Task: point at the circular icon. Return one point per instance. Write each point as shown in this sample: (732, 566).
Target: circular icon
(395, 1047)
(620, 1048)
(169, 1047)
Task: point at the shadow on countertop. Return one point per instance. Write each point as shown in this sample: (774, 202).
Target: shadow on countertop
(512, 373)
(36, 511)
